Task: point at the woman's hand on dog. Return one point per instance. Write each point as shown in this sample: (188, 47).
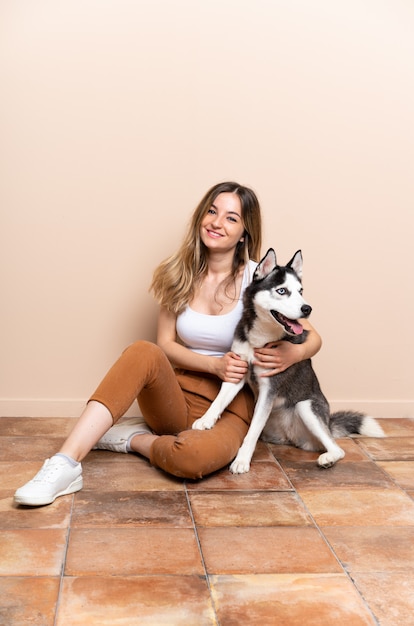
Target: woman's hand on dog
(277, 356)
(231, 368)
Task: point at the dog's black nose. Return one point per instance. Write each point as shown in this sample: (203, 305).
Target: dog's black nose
(306, 310)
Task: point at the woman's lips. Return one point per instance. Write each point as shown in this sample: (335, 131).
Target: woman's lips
(214, 234)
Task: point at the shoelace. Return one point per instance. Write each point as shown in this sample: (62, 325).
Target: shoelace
(46, 474)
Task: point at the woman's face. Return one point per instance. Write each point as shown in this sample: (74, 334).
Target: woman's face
(222, 226)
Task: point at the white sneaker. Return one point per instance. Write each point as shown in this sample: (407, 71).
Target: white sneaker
(117, 437)
(56, 478)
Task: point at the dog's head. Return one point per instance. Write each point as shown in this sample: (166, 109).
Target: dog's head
(278, 291)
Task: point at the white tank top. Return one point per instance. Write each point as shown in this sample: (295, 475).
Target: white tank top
(212, 334)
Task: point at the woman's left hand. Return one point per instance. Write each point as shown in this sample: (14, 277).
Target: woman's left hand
(277, 356)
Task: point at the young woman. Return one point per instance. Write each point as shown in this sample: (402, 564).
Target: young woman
(199, 290)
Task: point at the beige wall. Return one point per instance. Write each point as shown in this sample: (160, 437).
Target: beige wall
(117, 115)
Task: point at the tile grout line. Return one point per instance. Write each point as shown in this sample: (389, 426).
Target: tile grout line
(201, 553)
(65, 552)
(390, 477)
(346, 573)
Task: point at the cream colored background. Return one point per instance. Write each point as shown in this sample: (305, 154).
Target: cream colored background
(117, 115)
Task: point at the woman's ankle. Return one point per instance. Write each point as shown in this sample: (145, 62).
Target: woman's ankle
(142, 443)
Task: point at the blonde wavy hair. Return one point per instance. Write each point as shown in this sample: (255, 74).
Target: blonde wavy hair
(176, 279)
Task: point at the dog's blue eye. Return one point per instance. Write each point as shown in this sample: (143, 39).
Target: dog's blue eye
(281, 291)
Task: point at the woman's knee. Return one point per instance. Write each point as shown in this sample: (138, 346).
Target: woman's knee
(172, 454)
(194, 454)
(144, 348)
(147, 352)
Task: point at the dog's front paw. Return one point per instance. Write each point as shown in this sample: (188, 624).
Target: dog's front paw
(204, 423)
(239, 466)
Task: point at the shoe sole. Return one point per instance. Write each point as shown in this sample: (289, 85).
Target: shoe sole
(74, 486)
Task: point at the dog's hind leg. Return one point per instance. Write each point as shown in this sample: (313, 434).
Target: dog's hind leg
(227, 393)
(320, 431)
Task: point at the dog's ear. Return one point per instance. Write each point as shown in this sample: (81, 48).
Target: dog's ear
(266, 265)
(296, 263)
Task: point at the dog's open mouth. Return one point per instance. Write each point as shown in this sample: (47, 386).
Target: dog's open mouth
(291, 326)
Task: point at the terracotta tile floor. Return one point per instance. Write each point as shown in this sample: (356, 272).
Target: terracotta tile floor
(286, 544)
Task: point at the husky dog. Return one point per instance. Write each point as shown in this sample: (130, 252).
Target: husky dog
(290, 406)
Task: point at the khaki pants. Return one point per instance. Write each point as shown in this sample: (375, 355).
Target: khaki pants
(170, 401)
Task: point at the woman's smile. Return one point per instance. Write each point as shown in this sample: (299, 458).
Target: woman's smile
(214, 234)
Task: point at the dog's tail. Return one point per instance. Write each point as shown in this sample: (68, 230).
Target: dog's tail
(344, 423)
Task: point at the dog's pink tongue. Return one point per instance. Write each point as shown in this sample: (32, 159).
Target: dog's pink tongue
(295, 327)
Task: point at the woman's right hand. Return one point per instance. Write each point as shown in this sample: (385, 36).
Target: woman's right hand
(231, 368)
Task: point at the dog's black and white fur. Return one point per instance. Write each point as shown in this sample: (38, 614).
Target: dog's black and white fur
(290, 406)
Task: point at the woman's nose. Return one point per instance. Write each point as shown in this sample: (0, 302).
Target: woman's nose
(217, 221)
